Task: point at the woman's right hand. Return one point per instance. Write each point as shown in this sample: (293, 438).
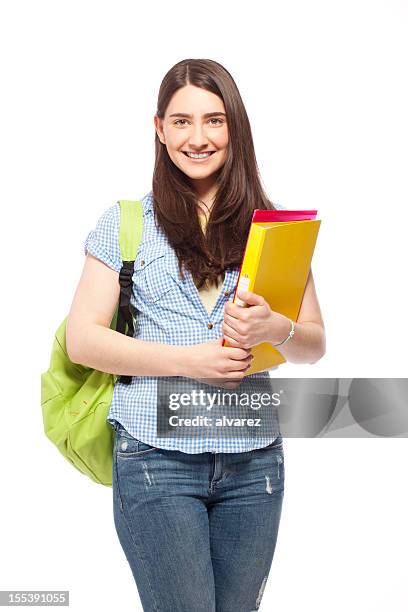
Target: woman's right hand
(212, 362)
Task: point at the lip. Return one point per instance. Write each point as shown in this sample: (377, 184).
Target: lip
(197, 160)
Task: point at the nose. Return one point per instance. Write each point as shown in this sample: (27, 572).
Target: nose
(198, 137)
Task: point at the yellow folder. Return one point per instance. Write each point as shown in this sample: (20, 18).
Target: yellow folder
(276, 265)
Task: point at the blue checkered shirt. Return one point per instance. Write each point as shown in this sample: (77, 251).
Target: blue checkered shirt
(169, 310)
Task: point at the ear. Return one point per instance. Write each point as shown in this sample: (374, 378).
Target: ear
(158, 124)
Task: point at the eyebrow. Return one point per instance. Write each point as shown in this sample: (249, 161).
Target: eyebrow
(206, 115)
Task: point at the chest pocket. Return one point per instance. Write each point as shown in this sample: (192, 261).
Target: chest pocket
(151, 276)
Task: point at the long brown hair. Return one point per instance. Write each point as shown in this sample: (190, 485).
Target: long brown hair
(239, 189)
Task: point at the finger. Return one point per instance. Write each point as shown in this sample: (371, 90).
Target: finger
(241, 365)
(232, 343)
(231, 385)
(235, 311)
(237, 343)
(253, 299)
(236, 353)
(234, 323)
(230, 333)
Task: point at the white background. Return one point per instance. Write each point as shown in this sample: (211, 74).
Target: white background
(325, 88)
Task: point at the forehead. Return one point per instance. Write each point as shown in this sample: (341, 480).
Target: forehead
(195, 100)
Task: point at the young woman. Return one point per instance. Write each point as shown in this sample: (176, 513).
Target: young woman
(197, 516)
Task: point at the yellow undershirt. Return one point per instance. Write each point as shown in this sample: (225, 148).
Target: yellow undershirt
(209, 295)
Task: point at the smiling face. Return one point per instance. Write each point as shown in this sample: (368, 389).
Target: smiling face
(194, 130)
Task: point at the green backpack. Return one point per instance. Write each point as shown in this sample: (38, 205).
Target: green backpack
(75, 399)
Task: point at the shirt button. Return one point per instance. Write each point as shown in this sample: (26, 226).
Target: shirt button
(142, 263)
(227, 293)
(210, 325)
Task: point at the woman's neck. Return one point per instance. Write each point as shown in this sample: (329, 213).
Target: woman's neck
(206, 191)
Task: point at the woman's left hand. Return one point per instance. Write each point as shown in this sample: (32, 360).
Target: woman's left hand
(245, 327)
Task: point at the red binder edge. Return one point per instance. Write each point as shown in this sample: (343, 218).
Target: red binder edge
(265, 216)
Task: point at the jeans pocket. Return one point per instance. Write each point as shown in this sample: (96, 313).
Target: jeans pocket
(128, 446)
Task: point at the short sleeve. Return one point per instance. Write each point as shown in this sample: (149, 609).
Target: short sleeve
(103, 241)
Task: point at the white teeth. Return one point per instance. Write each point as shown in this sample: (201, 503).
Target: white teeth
(198, 155)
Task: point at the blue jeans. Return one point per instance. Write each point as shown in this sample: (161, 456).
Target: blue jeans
(198, 530)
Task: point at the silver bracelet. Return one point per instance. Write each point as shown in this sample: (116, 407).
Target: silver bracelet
(291, 334)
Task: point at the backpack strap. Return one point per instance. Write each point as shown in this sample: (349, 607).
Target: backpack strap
(131, 230)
